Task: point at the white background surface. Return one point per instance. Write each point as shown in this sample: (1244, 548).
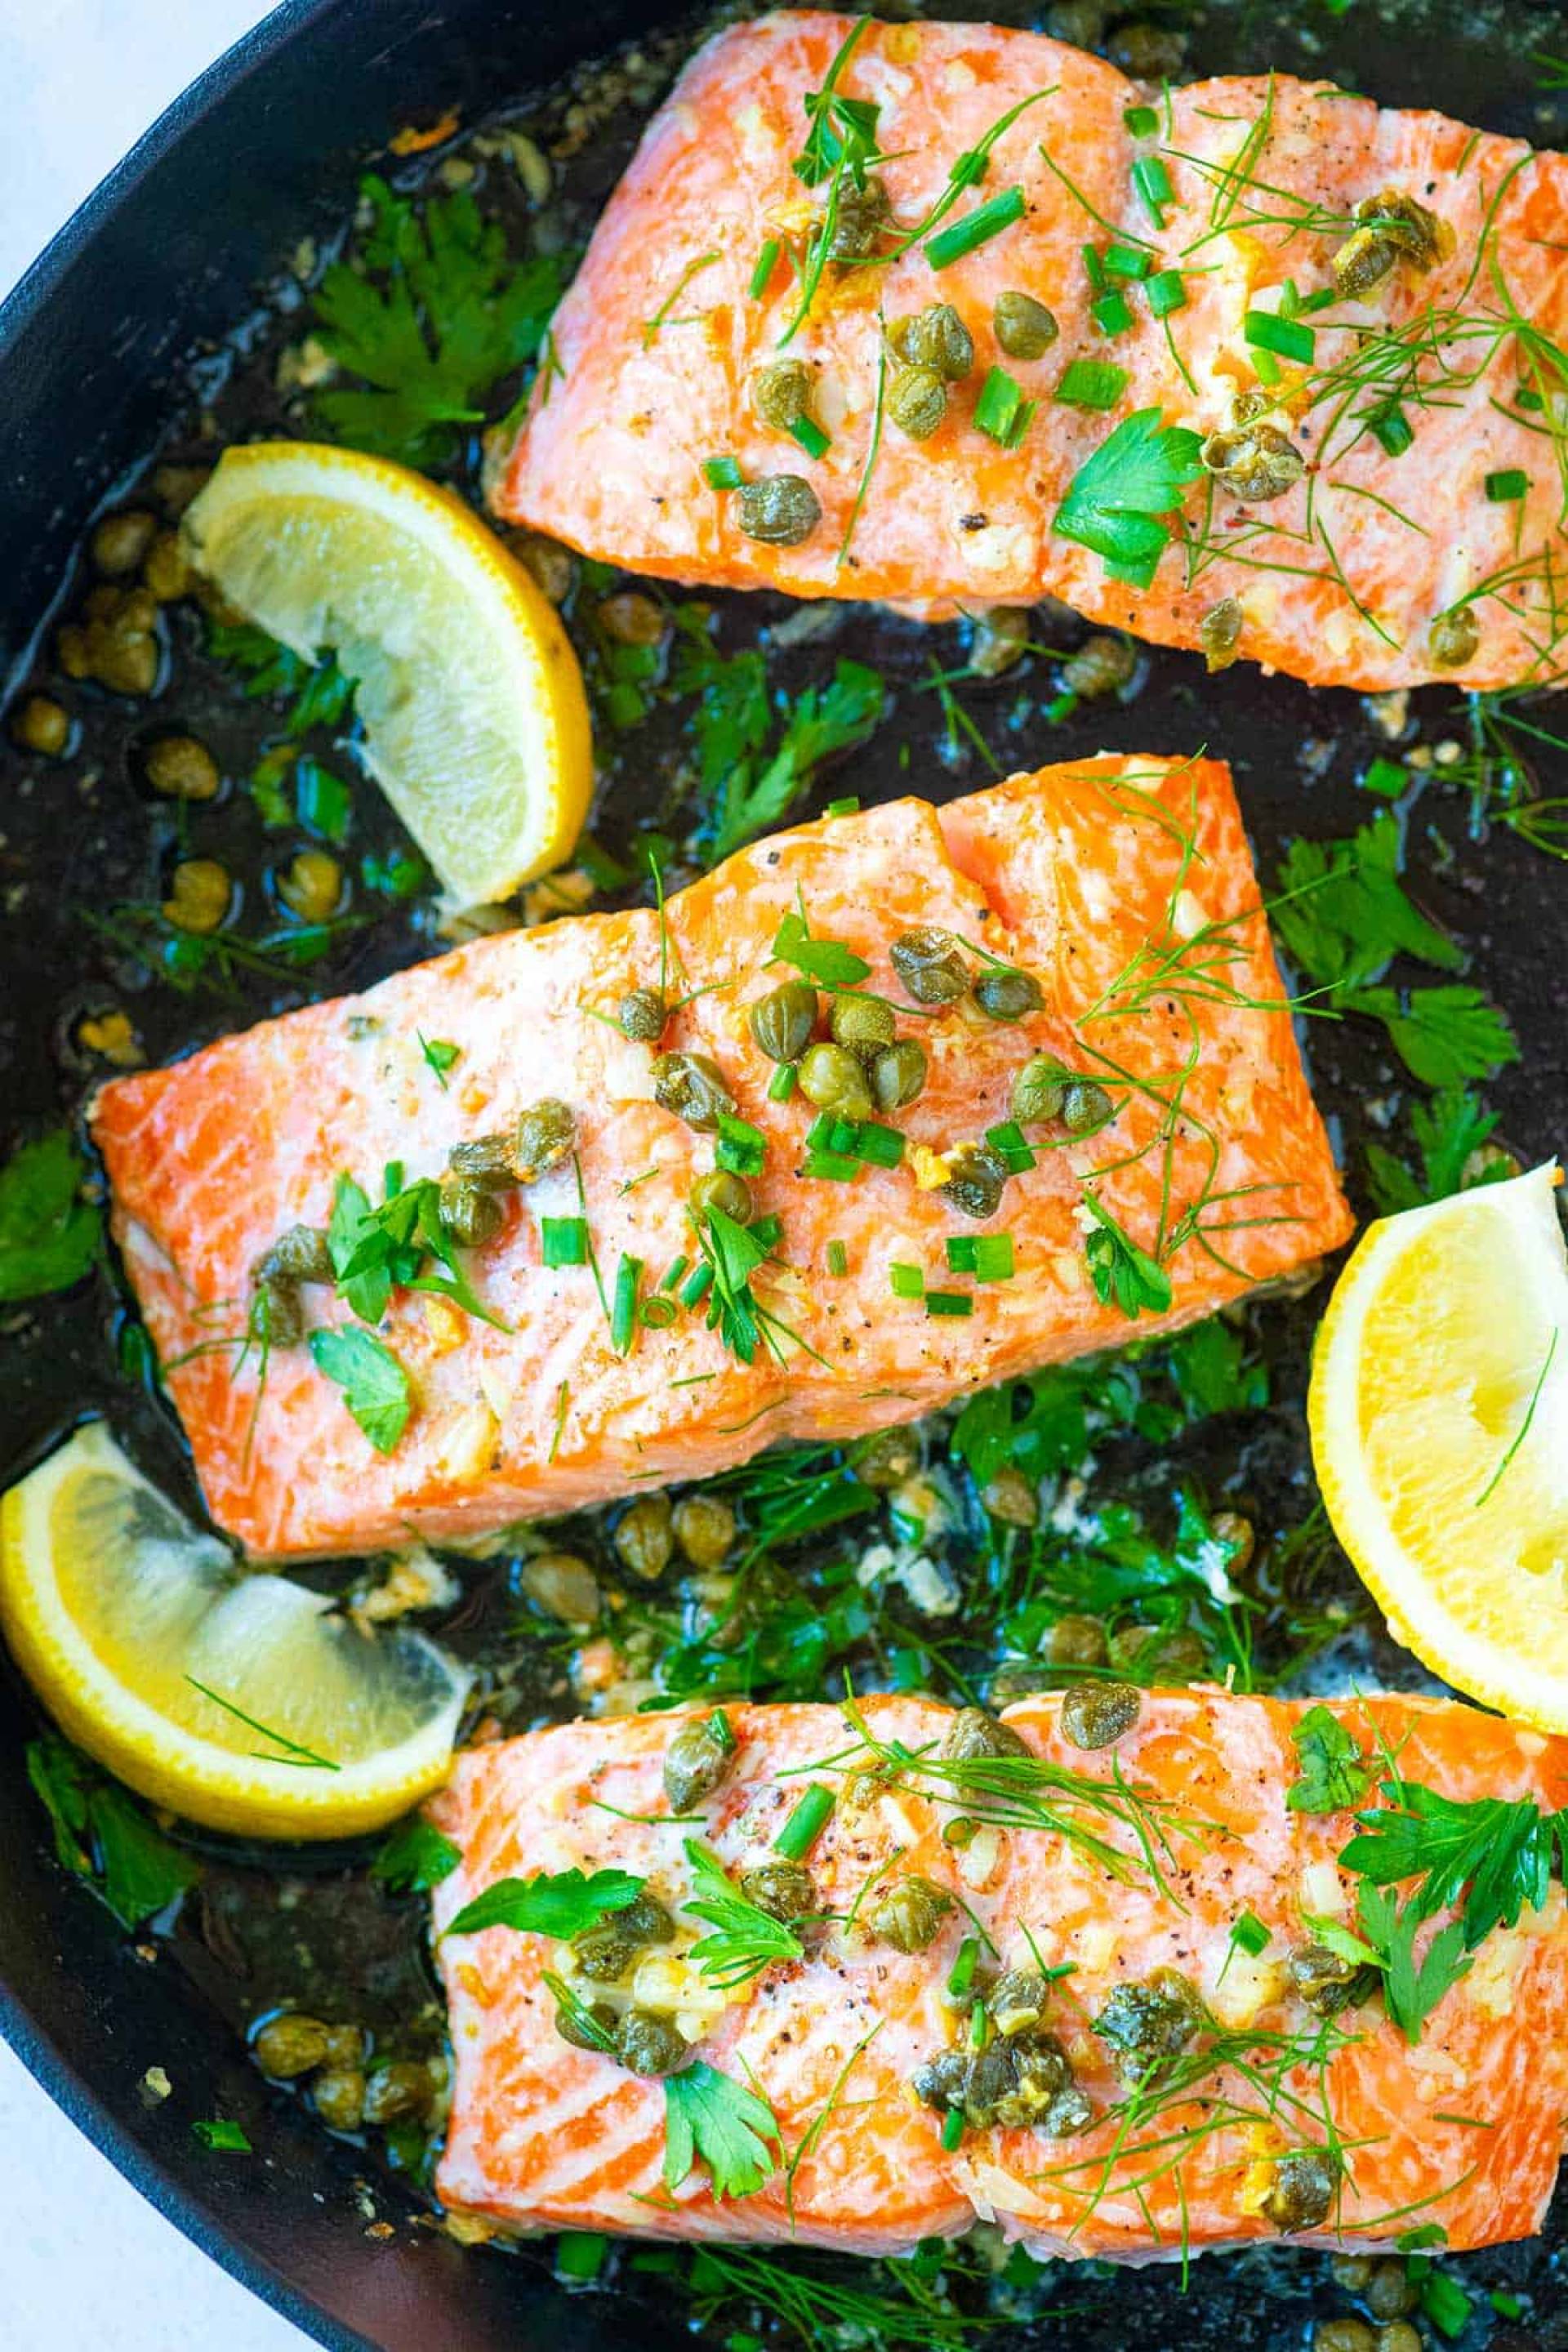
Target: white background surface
(85, 2261)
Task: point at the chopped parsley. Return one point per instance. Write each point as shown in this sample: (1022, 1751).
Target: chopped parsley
(711, 2119)
(1117, 498)
(1121, 1273)
(747, 1940)
(318, 693)
(102, 1836)
(49, 1235)
(414, 1856)
(439, 1053)
(1447, 1132)
(562, 1903)
(1334, 1772)
(375, 1387)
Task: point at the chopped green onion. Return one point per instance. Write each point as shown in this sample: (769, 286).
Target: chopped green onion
(848, 807)
(905, 1281)
(580, 2254)
(1111, 314)
(961, 1253)
(1268, 366)
(883, 1147)
(1513, 482)
(809, 434)
(1127, 261)
(1265, 331)
(720, 1731)
(1250, 1935)
(1001, 411)
(976, 228)
(766, 1232)
(674, 1270)
(952, 2129)
(1165, 292)
(1141, 121)
(831, 1167)
(987, 1256)
(1289, 299)
(696, 1286)
(1011, 1142)
(806, 1823)
(1445, 2302)
(1324, 300)
(1528, 397)
(741, 1148)
(1391, 429)
(1093, 268)
(722, 473)
(1091, 383)
(624, 1313)
(980, 2027)
(764, 270)
(1386, 778)
(657, 1313)
(838, 1259)
(949, 1302)
(1152, 183)
(782, 1084)
(962, 1975)
(1506, 2306)
(564, 1241)
(819, 1134)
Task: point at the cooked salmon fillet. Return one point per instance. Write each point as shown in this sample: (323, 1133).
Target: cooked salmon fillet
(1432, 488)
(1124, 887)
(1464, 2129)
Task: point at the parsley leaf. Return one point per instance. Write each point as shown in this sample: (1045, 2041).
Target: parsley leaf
(711, 2116)
(1115, 499)
(1121, 1272)
(1443, 1035)
(439, 1053)
(1334, 1774)
(48, 1234)
(748, 1939)
(103, 1835)
(1500, 1848)
(826, 720)
(223, 2136)
(374, 1384)
(1412, 1990)
(1213, 1371)
(430, 312)
(414, 1856)
(375, 1251)
(320, 694)
(826, 961)
(1447, 1132)
(560, 1903)
(1344, 914)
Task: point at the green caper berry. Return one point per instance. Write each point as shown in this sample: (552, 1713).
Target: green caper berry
(1039, 1090)
(469, 1214)
(778, 509)
(300, 1254)
(784, 1890)
(1025, 329)
(917, 402)
(1095, 1714)
(1147, 2023)
(40, 724)
(973, 1733)
(693, 1088)
(1255, 462)
(1324, 1981)
(1011, 1498)
(396, 2093)
(338, 2096)
(1103, 664)
(781, 1022)
(931, 965)
(722, 1188)
(781, 393)
(1391, 2293)
(581, 2032)
(1149, 52)
(1219, 634)
(704, 1529)
(1018, 2001)
(695, 1762)
(1453, 638)
(280, 1313)
(885, 1461)
(976, 1179)
(862, 1023)
(939, 340)
(545, 1135)
(897, 1075)
(1086, 1106)
(602, 1954)
(833, 1078)
(908, 1914)
(1164, 1653)
(998, 640)
(1077, 1642)
(1303, 2190)
(642, 1013)
(1005, 995)
(645, 1537)
(647, 2043)
(292, 2045)
(861, 214)
(1343, 2334)
(488, 1159)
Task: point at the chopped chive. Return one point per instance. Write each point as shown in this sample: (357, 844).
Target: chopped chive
(905, 1281)
(764, 269)
(1528, 397)
(1152, 183)
(1268, 366)
(1250, 1935)
(564, 1241)
(819, 1134)
(838, 1259)
(741, 1148)
(1324, 300)
(782, 1084)
(961, 1253)
(1391, 429)
(980, 2027)
(624, 1313)
(1141, 121)
(809, 434)
(1385, 777)
(722, 473)
(952, 2129)
(883, 1147)
(1010, 1140)
(831, 1167)
(766, 1232)
(806, 1823)
(1127, 261)
(1513, 482)
(1001, 411)
(1289, 299)
(695, 1287)
(1093, 268)
(992, 1258)
(1506, 2306)
(949, 1302)
(1165, 292)
(674, 1270)
(1111, 314)
(580, 2254)
(720, 1731)
(976, 228)
(1445, 2302)
(657, 1314)
(1091, 383)
(962, 1974)
(848, 807)
(1265, 331)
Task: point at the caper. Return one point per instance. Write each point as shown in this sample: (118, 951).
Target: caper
(338, 2093)
(564, 1584)
(861, 214)
(1039, 1090)
(1165, 1654)
(721, 1189)
(1025, 328)
(200, 895)
(300, 1254)
(973, 1733)
(42, 725)
(1081, 23)
(834, 1079)
(781, 1022)
(642, 1013)
(897, 1075)
(312, 888)
(1086, 1107)
(862, 1023)
(1147, 2023)
(885, 1461)
(1103, 664)
(546, 1133)
(645, 1537)
(1400, 2337)
(346, 2045)
(778, 509)
(693, 1088)
(647, 2043)
(696, 1759)
(1322, 1978)
(280, 1317)
(1454, 637)
(469, 1215)
(1148, 52)
(1003, 995)
(1255, 461)
(1077, 1642)
(1303, 2190)
(1230, 1528)
(1351, 2271)
(917, 402)
(1095, 1714)
(1219, 634)
(175, 485)
(936, 337)
(1389, 2293)
(629, 618)
(181, 768)
(784, 1890)
(942, 2080)
(907, 1914)
(1018, 1999)
(591, 2031)
(1342, 2334)
(976, 1179)
(781, 393)
(1390, 227)
(486, 1159)
(398, 2092)
(605, 1952)
(1011, 1498)
(292, 2045)
(115, 641)
(165, 568)
(704, 1529)
(551, 566)
(120, 540)
(931, 965)
(998, 640)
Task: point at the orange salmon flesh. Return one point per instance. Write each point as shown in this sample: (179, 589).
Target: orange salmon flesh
(1092, 878)
(1464, 2129)
(1422, 406)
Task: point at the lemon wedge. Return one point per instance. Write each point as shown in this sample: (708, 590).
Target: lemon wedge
(474, 719)
(1439, 1420)
(243, 1701)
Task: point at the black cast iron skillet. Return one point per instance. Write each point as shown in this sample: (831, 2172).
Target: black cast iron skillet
(263, 150)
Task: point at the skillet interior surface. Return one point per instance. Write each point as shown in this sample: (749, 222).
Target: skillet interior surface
(95, 354)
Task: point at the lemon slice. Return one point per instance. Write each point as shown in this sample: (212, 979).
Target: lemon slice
(116, 1609)
(476, 722)
(1439, 1418)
